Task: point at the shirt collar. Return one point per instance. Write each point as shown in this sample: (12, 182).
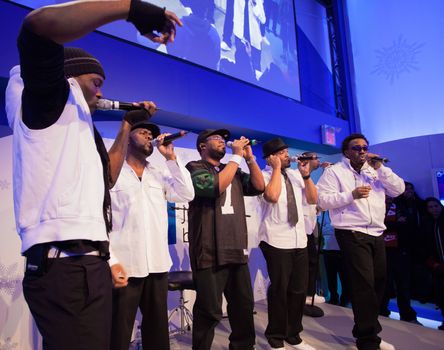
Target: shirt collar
(346, 161)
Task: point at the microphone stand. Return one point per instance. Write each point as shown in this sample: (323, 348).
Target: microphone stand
(312, 310)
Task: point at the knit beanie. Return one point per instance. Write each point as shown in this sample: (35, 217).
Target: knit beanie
(78, 62)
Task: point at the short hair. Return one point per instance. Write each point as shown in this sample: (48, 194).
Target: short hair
(350, 138)
(433, 199)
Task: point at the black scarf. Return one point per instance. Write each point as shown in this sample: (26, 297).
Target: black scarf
(107, 212)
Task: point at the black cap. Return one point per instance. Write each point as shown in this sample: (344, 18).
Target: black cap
(203, 135)
(78, 62)
(155, 131)
(272, 146)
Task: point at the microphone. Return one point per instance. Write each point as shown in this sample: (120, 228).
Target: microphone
(168, 139)
(107, 105)
(301, 158)
(379, 159)
(250, 143)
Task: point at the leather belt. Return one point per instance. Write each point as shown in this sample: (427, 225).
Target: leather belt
(54, 252)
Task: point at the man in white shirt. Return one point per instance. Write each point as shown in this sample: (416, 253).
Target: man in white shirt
(140, 259)
(284, 243)
(354, 190)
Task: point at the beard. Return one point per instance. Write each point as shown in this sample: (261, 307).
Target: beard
(286, 164)
(216, 154)
(145, 149)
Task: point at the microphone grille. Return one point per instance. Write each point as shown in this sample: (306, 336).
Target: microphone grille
(104, 104)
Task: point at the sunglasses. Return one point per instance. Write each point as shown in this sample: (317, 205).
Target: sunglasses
(360, 148)
(215, 137)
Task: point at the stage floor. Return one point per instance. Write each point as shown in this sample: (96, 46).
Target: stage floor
(332, 331)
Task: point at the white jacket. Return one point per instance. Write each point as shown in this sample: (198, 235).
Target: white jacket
(57, 172)
(366, 214)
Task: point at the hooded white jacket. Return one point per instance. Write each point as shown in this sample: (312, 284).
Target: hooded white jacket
(57, 172)
(365, 214)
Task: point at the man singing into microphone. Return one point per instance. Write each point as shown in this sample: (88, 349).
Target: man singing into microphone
(354, 190)
(62, 171)
(140, 259)
(284, 243)
(218, 239)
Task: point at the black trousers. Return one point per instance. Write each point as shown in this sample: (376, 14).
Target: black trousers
(365, 263)
(334, 266)
(71, 303)
(398, 277)
(150, 295)
(312, 264)
(234, 282)
(288, 272)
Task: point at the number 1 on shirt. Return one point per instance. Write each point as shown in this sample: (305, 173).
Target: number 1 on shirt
(227, 207)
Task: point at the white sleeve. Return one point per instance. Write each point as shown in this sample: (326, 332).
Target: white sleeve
(329, 191)
(178, 184)
(393, 184)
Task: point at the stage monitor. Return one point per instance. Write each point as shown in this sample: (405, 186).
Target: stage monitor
(251, 40)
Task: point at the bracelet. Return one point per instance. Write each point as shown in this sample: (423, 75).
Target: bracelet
(306, 177)
(236, 159)
(251, 160)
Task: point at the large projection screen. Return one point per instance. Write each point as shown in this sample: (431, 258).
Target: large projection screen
(250, 40)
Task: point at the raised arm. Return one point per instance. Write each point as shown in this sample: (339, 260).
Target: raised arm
(311, 193)
(227, 174)
(274, 187)
(73, 20)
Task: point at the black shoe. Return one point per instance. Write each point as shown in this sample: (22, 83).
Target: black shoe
(385, 312)
(441, 327)
(415, 321)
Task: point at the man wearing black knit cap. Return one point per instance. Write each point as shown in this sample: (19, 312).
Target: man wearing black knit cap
(62, 171)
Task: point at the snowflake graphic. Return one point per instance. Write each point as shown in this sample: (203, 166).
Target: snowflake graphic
(400, 57)
(4, 184)
(9, 279)
(7, 344)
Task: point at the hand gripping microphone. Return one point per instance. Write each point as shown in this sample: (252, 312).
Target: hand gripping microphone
(168, 139)
(250, 143)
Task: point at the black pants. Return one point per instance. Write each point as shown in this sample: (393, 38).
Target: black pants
(234, 282)
(71, 303)
(312, 264)
(288, 272)
(150, 294)
(398, 277)
(334, 266)
(365, 262)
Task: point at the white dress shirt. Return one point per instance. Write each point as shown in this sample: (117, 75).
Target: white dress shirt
(139, 240)
(274, 228)
(364, 215)
(310, 216)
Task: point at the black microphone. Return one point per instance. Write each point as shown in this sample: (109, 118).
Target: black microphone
(379, 159)
(107, 105)
(168, 139)
(250, 143)
(302, 158)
